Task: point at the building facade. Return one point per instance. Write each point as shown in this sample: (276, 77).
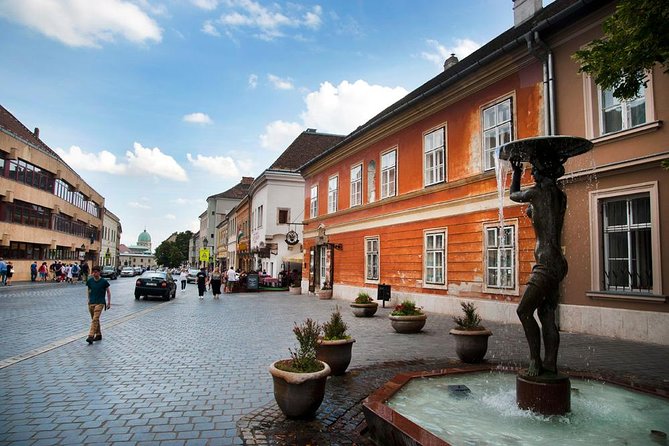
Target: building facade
(410, 199)
(140, 254)
(110, 240)
(47, 211)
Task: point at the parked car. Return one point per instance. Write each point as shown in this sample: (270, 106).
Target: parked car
(127, 271)
(192, 275)
(108, 272)
(138, 270)
(155, 283)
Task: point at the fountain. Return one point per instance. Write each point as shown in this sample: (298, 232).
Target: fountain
(541, 390)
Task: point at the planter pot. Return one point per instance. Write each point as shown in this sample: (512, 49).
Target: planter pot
(299, 395)
(324, 294)
(295, 289)
(337, 354)
(364, 310)
(471, 345)
(408, 324)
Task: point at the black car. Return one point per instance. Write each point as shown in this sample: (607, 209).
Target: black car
(108, 272)
(155, 283)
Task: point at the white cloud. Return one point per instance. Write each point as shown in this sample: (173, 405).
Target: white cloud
(137, 205)
(279, 83)
(253, 81)
(84, 23)
(170, 217)
(223, 166)
(209, 28)
(208, 5)
(269, 21)
(439, 53)
(197, 118)
(279, 134)
(141, 161)
(333, 109)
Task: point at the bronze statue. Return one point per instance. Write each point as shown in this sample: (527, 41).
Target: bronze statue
(547, 204)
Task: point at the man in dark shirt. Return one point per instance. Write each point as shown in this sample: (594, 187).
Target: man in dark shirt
(202, 280)
(97, 288)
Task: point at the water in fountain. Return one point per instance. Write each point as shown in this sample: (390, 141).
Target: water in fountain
(488, 414)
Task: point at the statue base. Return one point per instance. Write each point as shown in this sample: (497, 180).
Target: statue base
(544, 394)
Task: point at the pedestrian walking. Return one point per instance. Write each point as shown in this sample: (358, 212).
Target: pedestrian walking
(215, 283)
(84, 271)
(43, 271)
(232, 279)
(202, 281)
(33, 271)
(183, 277)
(3, 271)
(97, 288)
(68, 273)
(9, 273)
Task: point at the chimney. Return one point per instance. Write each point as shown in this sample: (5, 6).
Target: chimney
(310, 131)
(450, 62)
(247, 180)
(36, 132)
(523, 10)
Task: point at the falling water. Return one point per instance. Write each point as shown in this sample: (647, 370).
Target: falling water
(502, 169)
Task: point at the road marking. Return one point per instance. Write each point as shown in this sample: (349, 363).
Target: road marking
(60, 342)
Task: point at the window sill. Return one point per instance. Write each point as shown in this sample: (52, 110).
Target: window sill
(435, 286)
(628, 297)
(628, 133)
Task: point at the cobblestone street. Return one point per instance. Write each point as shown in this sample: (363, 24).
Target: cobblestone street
(187, 372)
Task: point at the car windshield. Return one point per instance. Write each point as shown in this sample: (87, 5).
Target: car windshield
(108, 268)
(152, 274)
(128, 268)
(193, 271)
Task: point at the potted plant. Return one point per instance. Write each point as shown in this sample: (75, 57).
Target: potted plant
(471, 338)
(335, 346)
(364, 306)
(326, 291)
(407, 317)
(295, 285)
(299, 382)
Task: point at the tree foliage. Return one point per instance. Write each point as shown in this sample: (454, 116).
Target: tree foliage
(636, 37)
(174, 254)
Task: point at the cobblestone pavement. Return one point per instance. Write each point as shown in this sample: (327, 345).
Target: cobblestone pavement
(187, 372)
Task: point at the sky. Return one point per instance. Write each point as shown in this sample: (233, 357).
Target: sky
(158, 104)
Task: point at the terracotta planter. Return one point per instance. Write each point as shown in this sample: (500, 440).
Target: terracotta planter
(408, 324)
(364, 310)
(471, 345)
(337, 354)
(299, 395)
(295, 289)
(324, 294)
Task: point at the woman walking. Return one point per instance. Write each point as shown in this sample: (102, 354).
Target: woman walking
(183, 277)
(215, 283)
(202, 282)
(43, 270)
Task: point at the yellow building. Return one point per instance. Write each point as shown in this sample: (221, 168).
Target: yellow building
(47, 211)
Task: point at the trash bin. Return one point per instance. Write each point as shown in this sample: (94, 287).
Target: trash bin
(252, 282)
(383, 293)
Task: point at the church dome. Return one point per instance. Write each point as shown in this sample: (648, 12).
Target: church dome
(144, 237)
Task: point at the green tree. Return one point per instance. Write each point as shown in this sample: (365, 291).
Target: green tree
(636, 37)
(174, 254)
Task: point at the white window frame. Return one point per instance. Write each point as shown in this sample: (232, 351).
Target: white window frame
(372, 257)
(495, 128)
(434, 172)
(313, 201)
(356, 185)
(592, 105)
(388, 174)
(259, 217)
(625, 106)
(597, 241)
(427, 254)
(497, 288)
(333, 194)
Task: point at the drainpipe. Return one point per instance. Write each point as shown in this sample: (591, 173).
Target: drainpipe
(546, 57)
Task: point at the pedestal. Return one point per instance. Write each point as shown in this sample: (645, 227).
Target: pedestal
(547, 395)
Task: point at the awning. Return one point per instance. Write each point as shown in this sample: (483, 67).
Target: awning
(297, 257)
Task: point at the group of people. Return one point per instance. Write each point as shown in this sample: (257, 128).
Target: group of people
(214, 281)
(6, 272)
(60, 272)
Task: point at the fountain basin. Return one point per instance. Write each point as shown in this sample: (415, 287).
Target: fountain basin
(544, 147)
(487, 412)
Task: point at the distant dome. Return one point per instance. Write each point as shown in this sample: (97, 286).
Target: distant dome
(144, 237)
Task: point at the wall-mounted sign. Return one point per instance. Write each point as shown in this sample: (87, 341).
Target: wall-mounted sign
(292, 238)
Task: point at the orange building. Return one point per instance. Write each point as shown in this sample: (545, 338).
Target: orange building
(410, 198)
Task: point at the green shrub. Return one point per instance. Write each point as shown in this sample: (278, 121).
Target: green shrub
(363, 298)
(407, 308)
(471, 320)
(335, 328)
(303, 360)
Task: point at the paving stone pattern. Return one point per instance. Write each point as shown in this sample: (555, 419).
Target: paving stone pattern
(188, 372)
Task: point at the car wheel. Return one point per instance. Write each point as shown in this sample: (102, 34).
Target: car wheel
(137, 296)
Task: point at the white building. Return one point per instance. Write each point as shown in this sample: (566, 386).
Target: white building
(111, 239)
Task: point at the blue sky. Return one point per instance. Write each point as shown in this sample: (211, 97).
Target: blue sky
(158, 104)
